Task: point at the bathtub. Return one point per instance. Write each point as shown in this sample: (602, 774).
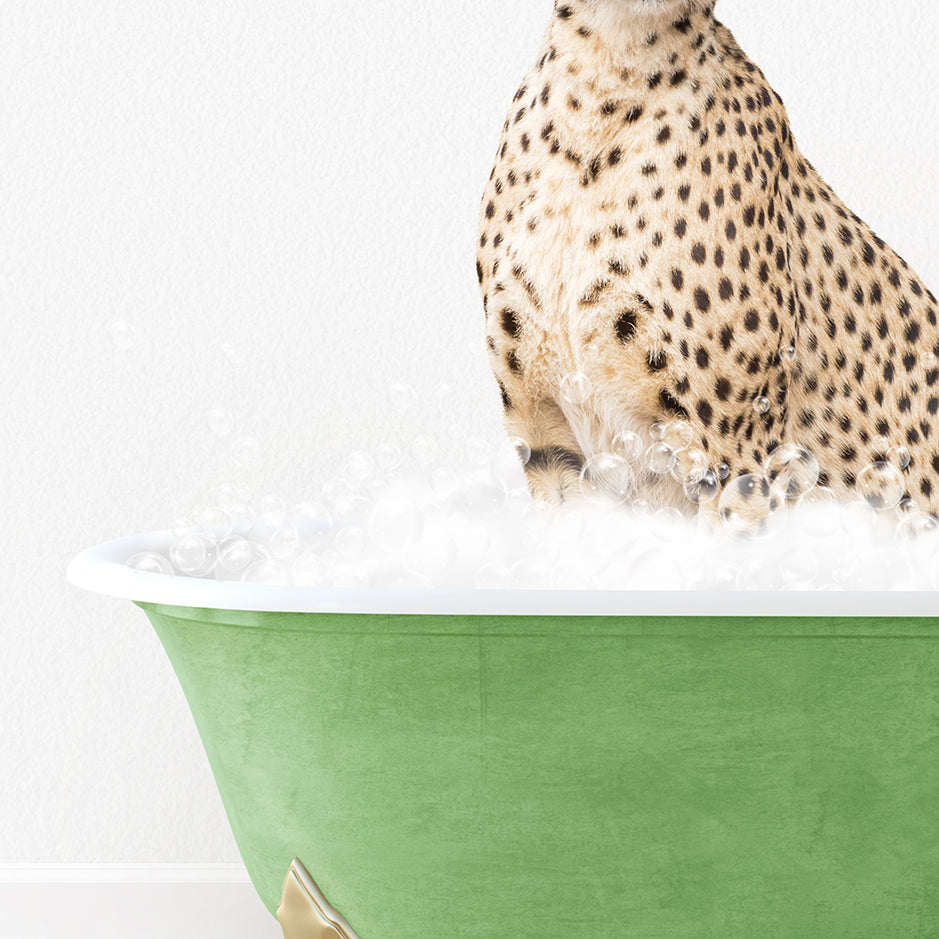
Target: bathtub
(537, 764)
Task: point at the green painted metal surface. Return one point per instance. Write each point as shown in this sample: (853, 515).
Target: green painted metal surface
(450, 777)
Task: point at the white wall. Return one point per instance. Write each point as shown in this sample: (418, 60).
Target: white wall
(300, 180)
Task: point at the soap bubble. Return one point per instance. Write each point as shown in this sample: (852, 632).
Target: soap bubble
(930, 361)
(309, 570)
(792, 469)
(401, 396)
(820, 512)
(192, 554)
(575, 388)
(313, 522)
(917, 526)
(701, 488)
(660, 458)
(494, 577)
(389, 457)
(689, 461)
(349, 577)
(242, 517)
(510, 458)
(679, 435)
(221, 422)
(214, 522)
(629, 445)
(150, 563)
(799, 568)
(900, 457)
(605, 479)
(723, 471)
(265, 571)
(761, 405)
(234, 554)
(245, 451)
(881, 485)
(444, 481)
(748, 503)
(286, 543)
(483, 498)
(360, 466)
(425, 450)
(338, 493)
(787, 354)
(395, 524)
(478, 451)
(351, 541)
(234, 353)
(658, 430)
(880, 444)
(272, 510)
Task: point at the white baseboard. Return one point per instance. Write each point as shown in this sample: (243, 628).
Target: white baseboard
(124, 901)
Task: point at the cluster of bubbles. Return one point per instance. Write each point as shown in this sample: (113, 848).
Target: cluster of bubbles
(455, 512)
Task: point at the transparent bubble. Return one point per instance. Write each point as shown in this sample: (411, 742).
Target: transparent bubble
(906, 507)
(575, 388)
(245, 450)
(761, 405)
(444, 481)
(880, 444)
(483, 498)
(917, 526)
(351, 541)
(150, 562)
(349, 576)
(793, 469)
(338, 493)
(701, 488)
(313, 522)
(930, 361)
(799, 567)
(723, 471)
(900, 457)
(689, 461)
(629, 445)
(395, 524)
(242, 517)
(435, 553)
(389, 457)
(494, 577)
(309, 570)
(234, 554)
(359, 467)
(266, 571)
(819, 512)
(425, 450)
(857, 520)
(123, 336)
(234, 353)
(272, 510)
(530, 574)
(748, 503)
(658, 430)
(192, 554)
(401, 396)
(215, 522)
(286, 543)
(660, 458)
(221, 421)
(478, 451)
(510, 458)
(606, 479)
(881, 486)
(787, 354)
(679, 434)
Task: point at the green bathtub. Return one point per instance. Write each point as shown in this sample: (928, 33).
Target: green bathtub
(450, 765)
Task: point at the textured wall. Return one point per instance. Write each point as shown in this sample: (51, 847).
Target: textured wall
(295, 184)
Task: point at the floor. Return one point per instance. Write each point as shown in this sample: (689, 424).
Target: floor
(134, 911)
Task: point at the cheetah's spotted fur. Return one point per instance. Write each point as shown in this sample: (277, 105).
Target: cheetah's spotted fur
(651, 223)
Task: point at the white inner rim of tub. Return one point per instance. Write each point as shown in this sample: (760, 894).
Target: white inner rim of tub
(102, 569)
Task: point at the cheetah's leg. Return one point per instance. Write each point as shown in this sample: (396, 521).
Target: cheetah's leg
(553, 471)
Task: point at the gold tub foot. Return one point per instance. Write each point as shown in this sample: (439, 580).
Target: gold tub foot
(304, 913)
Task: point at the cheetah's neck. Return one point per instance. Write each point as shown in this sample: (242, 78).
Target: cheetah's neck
(601, 42)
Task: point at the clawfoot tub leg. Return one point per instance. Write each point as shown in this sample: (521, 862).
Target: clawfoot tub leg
(304, 913)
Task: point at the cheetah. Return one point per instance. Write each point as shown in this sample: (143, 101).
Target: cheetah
(654, 247)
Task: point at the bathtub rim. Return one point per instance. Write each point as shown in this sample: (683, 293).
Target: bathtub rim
(101, 569)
